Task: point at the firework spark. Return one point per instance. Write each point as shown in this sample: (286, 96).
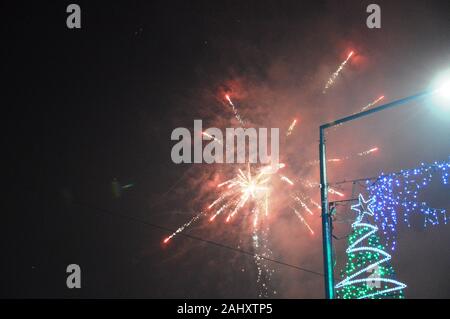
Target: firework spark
(291, 127)
(183, 227)
(368, 152)
(345, 158)
(212, 138)
(372, 103)
(331, 190)
(302, 219)
(260, 240)
(287, 180)
(362, 110)
(335, 192)
(315, 203)
(334, 76)
(270, 169)
(302, 203)
(235, 110)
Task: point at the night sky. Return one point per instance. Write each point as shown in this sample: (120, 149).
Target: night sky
(85, 107)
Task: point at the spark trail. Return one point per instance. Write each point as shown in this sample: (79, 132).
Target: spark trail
(181, 228)
(335, 192)
(345, 158)
(368, 152)
(331, 190)
(235, 110)
(302, 219)
(286, 180)
(375, 102)
(334, 76)
(213, 138)
(260, 242)
(372, 103)
(302, 203)
(291, 128)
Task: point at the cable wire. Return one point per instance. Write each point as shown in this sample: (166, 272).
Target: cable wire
(137, 220)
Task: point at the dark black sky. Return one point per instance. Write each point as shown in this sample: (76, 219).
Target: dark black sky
(85, 106)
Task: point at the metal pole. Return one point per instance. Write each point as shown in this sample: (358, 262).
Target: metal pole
(326, 218)
(378, 109)
(326, 221)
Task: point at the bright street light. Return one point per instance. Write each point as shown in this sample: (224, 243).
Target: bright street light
(442, 89)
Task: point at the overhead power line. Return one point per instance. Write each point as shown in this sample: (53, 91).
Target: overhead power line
(210, 242)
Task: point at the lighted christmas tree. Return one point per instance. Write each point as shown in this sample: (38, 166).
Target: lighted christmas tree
(368, 273)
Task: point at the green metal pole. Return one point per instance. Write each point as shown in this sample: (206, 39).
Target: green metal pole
(326, 221)
(396, 103)
(326, 218)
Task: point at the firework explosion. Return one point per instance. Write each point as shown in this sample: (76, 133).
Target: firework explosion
(249, 188)
(249, 191)
(244, 188)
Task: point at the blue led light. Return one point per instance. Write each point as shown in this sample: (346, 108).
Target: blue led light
(396, 198)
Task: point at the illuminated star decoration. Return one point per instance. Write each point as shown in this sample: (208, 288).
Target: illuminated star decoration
(363, 207)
